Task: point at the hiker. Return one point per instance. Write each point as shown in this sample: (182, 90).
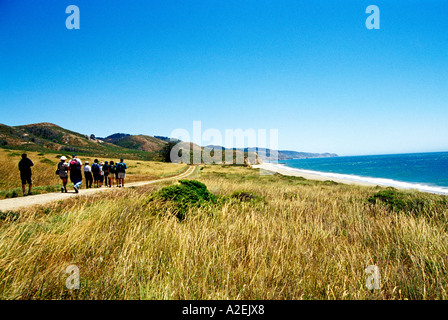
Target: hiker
(112, 173)
(106, 171)
(75, 172)
(116, 175)
(101, 173)
(96, 173)
(88, 175)
(121, 170)
(25, 173)
(63, 173)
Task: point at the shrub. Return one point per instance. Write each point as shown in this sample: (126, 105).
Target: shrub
(9, 215)
(188, 193)
(47, 161)
(408, 202)
(14, 154)
(395, 200)
(245, 196)
(12, 194)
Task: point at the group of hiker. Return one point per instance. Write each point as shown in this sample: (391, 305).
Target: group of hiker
(97, 174)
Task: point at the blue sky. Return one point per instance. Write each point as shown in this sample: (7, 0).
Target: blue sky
(310, 69)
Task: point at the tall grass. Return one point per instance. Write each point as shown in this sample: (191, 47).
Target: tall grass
(295, 239)
(43, 171)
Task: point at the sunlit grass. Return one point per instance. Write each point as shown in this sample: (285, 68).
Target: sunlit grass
(298, 239)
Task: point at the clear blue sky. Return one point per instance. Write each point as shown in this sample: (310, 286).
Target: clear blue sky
(310, 69)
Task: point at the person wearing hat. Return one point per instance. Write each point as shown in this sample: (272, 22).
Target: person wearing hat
(101, 174)
(88, 175)
(63, 173)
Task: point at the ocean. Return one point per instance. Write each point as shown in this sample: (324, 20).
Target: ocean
(423, 171)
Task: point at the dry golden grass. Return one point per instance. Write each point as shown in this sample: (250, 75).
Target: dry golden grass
(45, 165)
(300, 240)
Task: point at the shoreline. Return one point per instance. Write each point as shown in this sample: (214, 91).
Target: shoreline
(348, 179)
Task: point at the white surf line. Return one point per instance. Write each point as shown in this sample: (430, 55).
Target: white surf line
(41, 199)
(345, 178)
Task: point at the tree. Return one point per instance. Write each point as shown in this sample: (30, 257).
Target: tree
(166, 151)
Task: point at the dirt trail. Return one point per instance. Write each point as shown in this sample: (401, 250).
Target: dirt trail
(40, 199)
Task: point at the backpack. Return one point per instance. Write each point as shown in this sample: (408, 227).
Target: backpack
(95, 168)
(62, 169)
(120, 167)
(74, 165)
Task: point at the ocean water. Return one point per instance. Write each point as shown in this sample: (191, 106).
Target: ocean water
(422, 171)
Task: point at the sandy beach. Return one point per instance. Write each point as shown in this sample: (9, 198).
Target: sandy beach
(348, 179)
(308, 175)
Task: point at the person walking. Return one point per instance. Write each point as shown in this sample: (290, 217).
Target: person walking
(116, 175)
(63, 173)
(112, 173)
(121, 170)
(25, 173)
(106, 171)
(88, 175)
(96, 173)
(75, 172)
(101, 173)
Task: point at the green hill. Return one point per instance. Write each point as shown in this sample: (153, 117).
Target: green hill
(137, 142)
(48, 137)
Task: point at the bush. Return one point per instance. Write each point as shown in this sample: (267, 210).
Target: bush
(12, 194)
(245, 196)
(189, 193)
(48, 161)
(9, 215)
(396, 201)
(408, 202)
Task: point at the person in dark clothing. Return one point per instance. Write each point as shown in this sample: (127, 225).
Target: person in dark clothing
(25, 173)
(96, 173)
(106, 171)
(75, 172)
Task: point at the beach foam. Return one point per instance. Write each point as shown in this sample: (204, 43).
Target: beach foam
(355, 178)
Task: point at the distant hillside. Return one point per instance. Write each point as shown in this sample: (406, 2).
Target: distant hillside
(265, 154)
(167, 139)
(53, 138)
(287, 154)
(136, 142)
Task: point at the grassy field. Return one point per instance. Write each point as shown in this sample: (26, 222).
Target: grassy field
(255, 237)
(45, 165)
